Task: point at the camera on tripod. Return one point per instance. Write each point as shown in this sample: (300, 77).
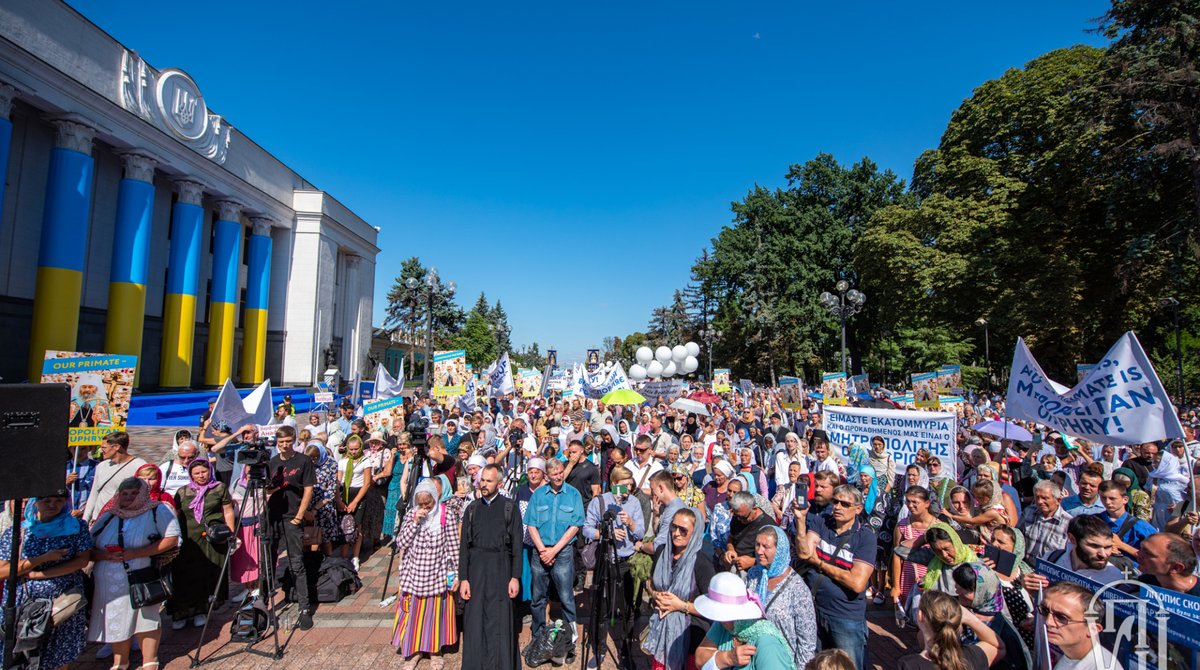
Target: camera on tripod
(516, 437)
(256, 456)
(418, 428)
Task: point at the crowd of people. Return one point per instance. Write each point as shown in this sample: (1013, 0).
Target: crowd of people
(742, 536)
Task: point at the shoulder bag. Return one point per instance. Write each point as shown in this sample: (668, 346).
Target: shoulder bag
(150, 585)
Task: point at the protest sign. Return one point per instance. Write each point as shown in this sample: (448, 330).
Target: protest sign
(950, 380)
(903, 431)
(600, 384)
(468, 402)
(925, 392)
(833, 388)
(1082, 369)
(374, 411)
(101, 386)
(449, 373)
(747, 386)
(324, 398)
(531, 383)
(791, 392)
(1119, 402)
(860, 384)
(366, 392)
(662, 389)
(720, 383)
(593, 360)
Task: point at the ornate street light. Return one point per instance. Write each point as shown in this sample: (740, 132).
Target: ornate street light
(846, 303)
(427, 290)
(987, 348)
(709, 335)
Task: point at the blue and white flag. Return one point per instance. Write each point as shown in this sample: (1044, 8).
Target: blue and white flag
(466, 401)
(1119, 402)
(501, 377)
(599, 385)
(387, 386)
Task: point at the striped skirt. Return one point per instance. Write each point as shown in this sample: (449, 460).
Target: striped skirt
(424, 624)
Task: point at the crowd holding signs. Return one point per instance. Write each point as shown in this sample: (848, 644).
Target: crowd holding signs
(1031, 529)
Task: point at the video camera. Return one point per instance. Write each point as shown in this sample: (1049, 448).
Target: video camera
(516, 437)
(256, 456)
(417, 429)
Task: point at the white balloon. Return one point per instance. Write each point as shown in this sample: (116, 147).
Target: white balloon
(693, 349)
(662, 355)
(670, 369)
(644, 355)
(678, 353)
(690, 364)
(636, 372)
(655, 369)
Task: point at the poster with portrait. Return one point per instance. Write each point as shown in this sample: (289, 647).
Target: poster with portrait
(860, 384)
(925, 390)
(530, 383)
(593, 360)
(449, 373)
(791, 393)
(833, 388)
(1082, 370)
(950, 380)
(721, 382)
(101, 387)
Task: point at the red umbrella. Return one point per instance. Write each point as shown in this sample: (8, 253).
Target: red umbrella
(705, 397)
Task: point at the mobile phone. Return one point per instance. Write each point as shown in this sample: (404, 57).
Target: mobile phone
(800, 496)
(112, 548)
(620, 489)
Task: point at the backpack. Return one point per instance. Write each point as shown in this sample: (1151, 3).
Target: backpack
(33, 632)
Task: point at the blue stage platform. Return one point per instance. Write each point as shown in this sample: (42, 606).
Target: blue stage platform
(184, 409)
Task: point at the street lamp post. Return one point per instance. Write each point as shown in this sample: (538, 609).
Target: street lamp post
(987, 349)
(429, 289)
(1173, 303)
(845, 304)
(709, 335)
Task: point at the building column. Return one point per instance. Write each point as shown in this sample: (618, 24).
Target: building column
(183, 274)
(7, 93)
(222, 312)
(126, 316)
(258, 295)
(62, 253)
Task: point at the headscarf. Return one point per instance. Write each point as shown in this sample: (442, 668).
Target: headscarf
(1134, 484)
(59, 526)
(922, 481)
(432, 521)
(626, 434)
(322, 451)
(348, 474)
(156, 492)
(447, 490)
(962, 554)
(197, 504)
(986, 597)
(667, 640)
(872, 490)
(783, 558)
(140, 505)
(1019, 551)
(749, 631)
(1170, 470)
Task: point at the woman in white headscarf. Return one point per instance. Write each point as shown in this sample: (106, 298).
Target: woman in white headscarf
(1170, 478)
(428, 539)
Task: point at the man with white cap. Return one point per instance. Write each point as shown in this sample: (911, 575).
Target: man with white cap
(535, 474)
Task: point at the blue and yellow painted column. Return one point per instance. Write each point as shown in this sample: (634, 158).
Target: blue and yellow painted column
(183, 274)
(7, 93)
(258, 292)
(223, 303)
(126, 317)
(64, 243)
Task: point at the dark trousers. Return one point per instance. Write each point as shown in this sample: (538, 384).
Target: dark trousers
(291, 537)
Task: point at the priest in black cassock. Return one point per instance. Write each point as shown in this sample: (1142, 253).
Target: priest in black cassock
(489, 564)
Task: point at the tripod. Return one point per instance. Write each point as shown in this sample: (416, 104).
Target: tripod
(604, 594)
(256, 490)
(513, 475)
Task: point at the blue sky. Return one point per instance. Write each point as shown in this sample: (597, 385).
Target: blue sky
(586, 146)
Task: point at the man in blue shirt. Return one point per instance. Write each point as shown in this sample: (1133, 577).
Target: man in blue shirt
(628, 527)
(1128, 530)
(554, 517)
(1087, 501)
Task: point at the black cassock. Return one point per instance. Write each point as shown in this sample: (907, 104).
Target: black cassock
(488, 562)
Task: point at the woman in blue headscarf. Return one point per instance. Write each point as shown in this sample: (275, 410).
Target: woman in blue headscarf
(55, 550)
(870, 491)
(785, 597)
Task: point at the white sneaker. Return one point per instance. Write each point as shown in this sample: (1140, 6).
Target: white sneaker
(178, 624)
(354, 562)
(199, 620)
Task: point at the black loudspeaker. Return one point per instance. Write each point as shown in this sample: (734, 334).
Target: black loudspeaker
(33, 439)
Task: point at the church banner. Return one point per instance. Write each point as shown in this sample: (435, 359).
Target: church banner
(860, 384)
(833, 388)
(531, 383)
(904, 432)
(950, 380)
(791, 392)
(101, 386)
(449, 373)
(925, 390)
(1120, 402)
(721, 380)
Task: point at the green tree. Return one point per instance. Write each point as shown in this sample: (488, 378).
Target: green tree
(408, 310)
(477, 340)
(500, 328)
(671, 324)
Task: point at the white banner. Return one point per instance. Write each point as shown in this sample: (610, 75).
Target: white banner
(663, 390)
(1119, 402)
(387, 386)
(599, 385)
(501, 377)
(904, 431)
(232, 409)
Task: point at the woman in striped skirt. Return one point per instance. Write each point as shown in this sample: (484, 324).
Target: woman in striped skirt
(428, 538)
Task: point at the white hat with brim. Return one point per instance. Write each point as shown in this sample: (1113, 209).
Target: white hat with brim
(727, 600)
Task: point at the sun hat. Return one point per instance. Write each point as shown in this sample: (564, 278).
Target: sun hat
(536, 464)
(376, 436)
(728, 600)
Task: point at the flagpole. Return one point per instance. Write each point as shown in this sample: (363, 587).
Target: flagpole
(75, 469)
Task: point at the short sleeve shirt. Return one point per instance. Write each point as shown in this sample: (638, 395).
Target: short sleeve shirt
(290, 477)
(857, 545)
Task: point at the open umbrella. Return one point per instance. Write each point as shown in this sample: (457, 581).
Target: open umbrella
(1003, 429)
(705, 397)
(623, 397)
(691, 406)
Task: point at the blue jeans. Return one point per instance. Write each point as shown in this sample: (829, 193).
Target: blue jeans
(562, 573)
(849, 635)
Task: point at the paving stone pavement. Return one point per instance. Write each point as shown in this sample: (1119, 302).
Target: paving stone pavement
(356, 633)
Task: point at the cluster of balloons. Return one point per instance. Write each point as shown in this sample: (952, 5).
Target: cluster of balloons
(665, 362)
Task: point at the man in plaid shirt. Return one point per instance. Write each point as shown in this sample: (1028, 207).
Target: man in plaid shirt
(1045, 522)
